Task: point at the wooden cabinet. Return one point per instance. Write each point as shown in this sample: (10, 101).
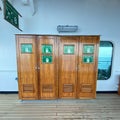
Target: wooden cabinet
(119, 87)
(78, 58)
(27, 62)
(68, 61)
(51, 67)
(47, 67)
(87, 66)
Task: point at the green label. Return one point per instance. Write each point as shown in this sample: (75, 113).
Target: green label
(88, 49)
(47, 59)
(87, 59)
(10, 14)
(26, 48)
(68, 49)
(47, 49)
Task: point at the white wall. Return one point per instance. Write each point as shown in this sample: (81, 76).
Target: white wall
(8, 68)
(94, 17)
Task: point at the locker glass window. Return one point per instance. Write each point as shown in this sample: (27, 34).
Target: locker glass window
(105, 60)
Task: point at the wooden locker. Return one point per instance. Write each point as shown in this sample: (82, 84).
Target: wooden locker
(119, 86)
(87, 66)
(48, 72)
(27, 62)
(68, 51)
(51, 67)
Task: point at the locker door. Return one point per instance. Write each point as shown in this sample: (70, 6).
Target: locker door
(47, 61)
(68, 51)
(27, 62)
(87, 68)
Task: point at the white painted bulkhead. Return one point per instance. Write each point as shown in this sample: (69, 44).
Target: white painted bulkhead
(93, 17)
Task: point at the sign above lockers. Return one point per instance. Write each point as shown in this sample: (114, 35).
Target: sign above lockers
(11, 15)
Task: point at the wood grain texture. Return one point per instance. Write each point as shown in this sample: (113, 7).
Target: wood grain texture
(66, 76)
(104, 107)
(119, 87)
(87, 73)
(68, 67)
(27, 74)
(48, 75)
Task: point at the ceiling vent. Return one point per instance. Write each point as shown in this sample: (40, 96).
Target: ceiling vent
(67, 28)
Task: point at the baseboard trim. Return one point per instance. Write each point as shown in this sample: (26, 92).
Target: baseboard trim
(8, 92)
(16, 92)
(106, 92)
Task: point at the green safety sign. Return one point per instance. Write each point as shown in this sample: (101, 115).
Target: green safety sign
(26, 48)
(11, 15)
(88, 49)
(68, 49)
(88, 59)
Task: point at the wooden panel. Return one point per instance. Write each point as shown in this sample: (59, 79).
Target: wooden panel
(87, 71)
(26, 60)
(87, 88)
(28, 88)
(104, 107)
(68, 88)
(39, 64)
(119, 86)
(47, 88)
(47, 62)
(119, 90)
(68, 66)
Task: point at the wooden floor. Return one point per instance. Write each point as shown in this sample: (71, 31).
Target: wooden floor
(104, 107)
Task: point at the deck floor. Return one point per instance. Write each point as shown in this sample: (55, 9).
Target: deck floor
(104, 107)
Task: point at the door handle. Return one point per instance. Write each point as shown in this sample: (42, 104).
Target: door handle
(37, 68)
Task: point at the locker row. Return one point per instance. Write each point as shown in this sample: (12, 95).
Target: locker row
(56, 67)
